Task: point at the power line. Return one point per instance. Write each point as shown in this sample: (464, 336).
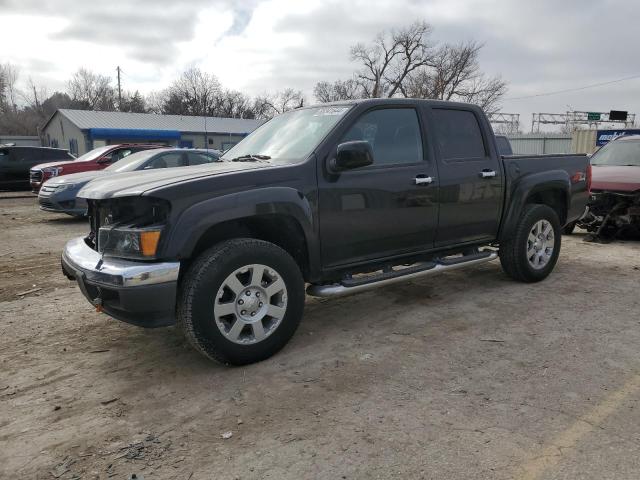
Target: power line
(575, 89)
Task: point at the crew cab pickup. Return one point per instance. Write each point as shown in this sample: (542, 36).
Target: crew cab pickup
(342, 197)
(96, 159)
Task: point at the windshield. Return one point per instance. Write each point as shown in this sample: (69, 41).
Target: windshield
(133, 161)
(289, 137)
(93, 154)
(621, 152)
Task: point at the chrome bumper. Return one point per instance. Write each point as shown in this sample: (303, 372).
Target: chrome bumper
(82, 259)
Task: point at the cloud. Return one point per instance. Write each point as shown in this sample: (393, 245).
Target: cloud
(265, 45)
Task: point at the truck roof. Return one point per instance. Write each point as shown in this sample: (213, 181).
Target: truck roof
(412, 101)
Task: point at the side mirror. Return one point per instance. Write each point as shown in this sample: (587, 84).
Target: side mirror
(104, 160)
(352, 155)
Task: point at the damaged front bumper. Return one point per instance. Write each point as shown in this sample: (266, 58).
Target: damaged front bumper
(610, 214)
(140, 293)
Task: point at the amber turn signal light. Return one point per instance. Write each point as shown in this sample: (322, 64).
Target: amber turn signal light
(149, 242)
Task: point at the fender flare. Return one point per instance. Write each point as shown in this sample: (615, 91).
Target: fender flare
(528, 185)
(200, 217)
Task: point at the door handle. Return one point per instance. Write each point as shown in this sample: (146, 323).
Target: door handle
(423, 180)
(488, 173)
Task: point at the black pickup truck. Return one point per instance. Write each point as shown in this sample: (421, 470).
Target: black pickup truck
(343, 197)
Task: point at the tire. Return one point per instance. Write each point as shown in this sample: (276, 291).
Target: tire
(215, 317)
(569, 228)
(528, 261)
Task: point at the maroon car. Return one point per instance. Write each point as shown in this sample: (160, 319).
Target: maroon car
(96, 159)
(614, 207)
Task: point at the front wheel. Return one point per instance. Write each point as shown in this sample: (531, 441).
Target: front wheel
(530, 254)
(241, 301)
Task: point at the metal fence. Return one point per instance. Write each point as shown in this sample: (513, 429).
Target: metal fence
(537, 144)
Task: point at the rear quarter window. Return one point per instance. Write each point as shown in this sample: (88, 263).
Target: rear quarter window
(504, 146)
(63, 155)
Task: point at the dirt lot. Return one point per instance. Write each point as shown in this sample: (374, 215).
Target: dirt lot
(463, 376)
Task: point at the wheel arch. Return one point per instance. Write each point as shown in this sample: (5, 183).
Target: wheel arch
(279, 215)
(551, 188)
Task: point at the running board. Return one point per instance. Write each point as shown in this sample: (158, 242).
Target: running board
(355, 285)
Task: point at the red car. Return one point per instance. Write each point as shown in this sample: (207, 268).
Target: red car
(614, 207)
(96, 159)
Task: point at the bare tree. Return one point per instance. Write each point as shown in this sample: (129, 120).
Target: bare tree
(155, 101)
(133, 102)
(338, 90)
(3, 91)
(267, 106)
(234, 104)
(91, 91)
(407, 63)
(455, 75)
(34, 95)
(391, 57)
(10, 74)
(194, 93)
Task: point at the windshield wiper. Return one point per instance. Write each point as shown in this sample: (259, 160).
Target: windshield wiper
(250, 158)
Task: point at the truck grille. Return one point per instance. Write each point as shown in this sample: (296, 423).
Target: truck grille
(94, 219)
(35, 175)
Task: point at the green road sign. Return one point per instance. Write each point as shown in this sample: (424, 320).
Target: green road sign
(593, 116)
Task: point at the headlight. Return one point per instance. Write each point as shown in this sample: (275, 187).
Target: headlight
(53, 171)
(64, 186)
(129, 227)
(139, 243)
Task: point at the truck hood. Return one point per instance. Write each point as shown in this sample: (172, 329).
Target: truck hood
(615, 178)
(76, 177)
(137, 182)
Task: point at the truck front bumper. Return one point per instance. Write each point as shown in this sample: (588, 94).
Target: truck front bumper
(140, 293)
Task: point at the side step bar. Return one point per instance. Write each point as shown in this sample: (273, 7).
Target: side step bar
(355, 285)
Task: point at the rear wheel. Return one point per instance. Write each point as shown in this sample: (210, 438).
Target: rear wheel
(241, 301)
(532, 251)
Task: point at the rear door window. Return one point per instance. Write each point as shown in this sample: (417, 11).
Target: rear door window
(458, 134)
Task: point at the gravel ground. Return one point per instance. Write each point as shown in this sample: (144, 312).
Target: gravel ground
(463, 376)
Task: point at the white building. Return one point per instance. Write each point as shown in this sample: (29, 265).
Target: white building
(82, 130)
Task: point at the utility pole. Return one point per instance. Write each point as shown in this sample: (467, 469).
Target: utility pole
(35, 96)
(119, 89)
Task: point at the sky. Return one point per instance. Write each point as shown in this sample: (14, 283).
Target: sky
(259, 46)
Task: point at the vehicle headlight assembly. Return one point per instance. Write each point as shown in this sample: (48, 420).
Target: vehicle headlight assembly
(53, 171)
(65, 186)
(131, 227)
(136, 243)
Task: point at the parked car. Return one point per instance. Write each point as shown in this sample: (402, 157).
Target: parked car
(59, 193)
(16, 161)
(504, 145)
(614, 206)
(341, 196)
(96, 159)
